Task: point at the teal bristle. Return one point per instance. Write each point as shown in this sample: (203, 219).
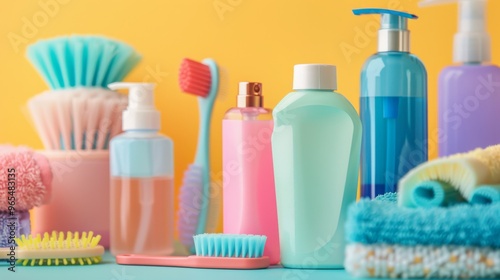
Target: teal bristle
(229, 245)
(82, 61)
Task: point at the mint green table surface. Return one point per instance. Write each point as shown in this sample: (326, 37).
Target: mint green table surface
(109, 270)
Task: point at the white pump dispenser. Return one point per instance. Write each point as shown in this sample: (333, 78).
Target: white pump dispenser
(472, 43)
(141, 112)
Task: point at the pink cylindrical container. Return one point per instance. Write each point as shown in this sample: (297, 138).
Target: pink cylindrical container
(79, 200)
(249, 200)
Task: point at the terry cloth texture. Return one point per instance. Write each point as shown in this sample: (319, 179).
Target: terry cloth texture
(382, 221)
(422, 261)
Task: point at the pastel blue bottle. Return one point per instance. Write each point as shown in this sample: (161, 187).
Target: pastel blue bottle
(393, 107)
(142, 189)
(316, 143)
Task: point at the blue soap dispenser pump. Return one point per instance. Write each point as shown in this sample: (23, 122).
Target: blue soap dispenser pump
(393, 107)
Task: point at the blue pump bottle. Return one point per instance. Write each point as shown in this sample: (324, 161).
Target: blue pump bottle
(393, 107)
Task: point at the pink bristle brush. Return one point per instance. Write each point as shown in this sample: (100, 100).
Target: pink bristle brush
(201, 79)
(33, 178)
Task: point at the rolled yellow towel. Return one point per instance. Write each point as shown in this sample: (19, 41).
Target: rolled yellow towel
(464, 172)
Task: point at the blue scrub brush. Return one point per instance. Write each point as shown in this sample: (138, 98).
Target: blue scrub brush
(82, 61)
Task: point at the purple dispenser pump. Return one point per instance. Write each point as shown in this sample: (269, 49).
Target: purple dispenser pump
(469, 92)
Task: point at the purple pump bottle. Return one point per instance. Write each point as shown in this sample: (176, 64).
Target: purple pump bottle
(469, 92)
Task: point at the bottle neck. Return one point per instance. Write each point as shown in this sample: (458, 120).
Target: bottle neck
(141, 131)
(250, 101)
(395, 40)
(472, 63)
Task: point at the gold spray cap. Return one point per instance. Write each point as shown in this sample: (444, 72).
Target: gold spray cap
(250, 95)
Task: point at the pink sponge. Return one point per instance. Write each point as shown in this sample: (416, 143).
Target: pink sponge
(33, 177)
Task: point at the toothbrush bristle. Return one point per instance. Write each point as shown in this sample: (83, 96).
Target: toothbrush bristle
(194, 77)
(229, 245)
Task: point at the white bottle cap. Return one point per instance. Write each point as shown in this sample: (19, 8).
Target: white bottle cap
(141, 112)
(315, 76)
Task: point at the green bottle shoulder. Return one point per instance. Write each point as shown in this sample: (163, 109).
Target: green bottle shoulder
(313, 98)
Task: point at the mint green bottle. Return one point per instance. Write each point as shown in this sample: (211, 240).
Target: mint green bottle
(316, 149)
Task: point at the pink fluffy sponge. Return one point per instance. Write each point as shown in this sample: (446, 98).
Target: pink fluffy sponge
(32, 178)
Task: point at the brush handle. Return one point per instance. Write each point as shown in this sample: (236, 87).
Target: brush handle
(195, 261)
(202, 158)
(45, 253)
(206, 105)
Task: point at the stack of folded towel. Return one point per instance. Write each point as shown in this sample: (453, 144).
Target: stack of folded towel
(385, 240)
(25, 180)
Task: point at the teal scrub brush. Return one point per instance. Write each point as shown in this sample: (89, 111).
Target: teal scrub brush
(82, 61)
(79, 112)
(196, 205)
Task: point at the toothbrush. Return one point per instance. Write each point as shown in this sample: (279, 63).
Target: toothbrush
(57, 248)
(221, 251)
(200, 79)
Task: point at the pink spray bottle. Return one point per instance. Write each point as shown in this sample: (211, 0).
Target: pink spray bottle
(249, 201)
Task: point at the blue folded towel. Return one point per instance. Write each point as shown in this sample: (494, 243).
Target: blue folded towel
(382, 221)
(21, 226)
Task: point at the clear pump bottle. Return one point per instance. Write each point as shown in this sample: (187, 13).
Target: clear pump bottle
(142, 190)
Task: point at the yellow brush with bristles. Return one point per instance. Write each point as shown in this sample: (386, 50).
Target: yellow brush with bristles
(58, 249)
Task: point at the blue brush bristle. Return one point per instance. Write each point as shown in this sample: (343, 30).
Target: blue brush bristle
(230, 245)
(82, 61)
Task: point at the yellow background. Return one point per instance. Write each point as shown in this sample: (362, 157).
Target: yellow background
(253, 40)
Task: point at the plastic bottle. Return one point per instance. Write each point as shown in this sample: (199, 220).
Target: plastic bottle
(393, 107)
(249, 202)
(316, 148)
(469, 92)
(142, 190)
